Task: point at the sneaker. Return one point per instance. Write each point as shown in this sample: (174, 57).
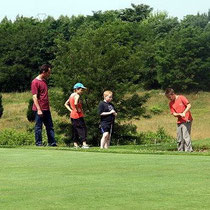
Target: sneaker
(39, 145)
(85, 147)
(52, 145)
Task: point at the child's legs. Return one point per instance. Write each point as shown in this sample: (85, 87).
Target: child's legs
(104, 140)
(110, 134)
(107, 142)
(180, 140)
(186, 136)
(81, 130)
(75, 135)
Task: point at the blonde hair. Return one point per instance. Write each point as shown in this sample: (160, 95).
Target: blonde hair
(107, 92)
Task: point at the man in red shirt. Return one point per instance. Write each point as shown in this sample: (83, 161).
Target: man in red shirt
(41, 106)
(180, 108)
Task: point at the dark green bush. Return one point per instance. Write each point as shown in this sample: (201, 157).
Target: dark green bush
(12, 137)
(156, 110)
(30, 112)
(160, 136)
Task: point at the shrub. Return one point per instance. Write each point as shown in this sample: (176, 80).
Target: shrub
(156, 110)
(13, 137)
(30, 112)
(160, 136)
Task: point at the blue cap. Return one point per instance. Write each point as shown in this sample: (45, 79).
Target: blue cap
(79, 85)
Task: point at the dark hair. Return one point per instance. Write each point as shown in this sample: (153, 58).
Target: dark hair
(169, 91)
(44, 68)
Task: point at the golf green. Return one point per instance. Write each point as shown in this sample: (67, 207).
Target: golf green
(58, 179)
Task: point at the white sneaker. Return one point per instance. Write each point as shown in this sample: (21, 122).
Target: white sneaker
(85, 147)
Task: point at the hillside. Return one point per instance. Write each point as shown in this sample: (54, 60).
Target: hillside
(15, 107)
(200, 111)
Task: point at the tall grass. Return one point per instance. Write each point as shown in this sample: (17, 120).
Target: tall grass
(200, 112)
(15, 108)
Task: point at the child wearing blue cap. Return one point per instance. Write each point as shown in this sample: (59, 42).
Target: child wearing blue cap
(108, 113)
(74, 105)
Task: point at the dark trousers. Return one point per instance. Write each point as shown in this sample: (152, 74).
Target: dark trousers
(79, 130)
(47, 120)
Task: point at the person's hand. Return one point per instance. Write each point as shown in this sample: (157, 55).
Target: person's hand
(182, 114)
(115, 113)
(40, 113)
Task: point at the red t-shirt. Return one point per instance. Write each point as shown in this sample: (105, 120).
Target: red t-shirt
(74, 113)
(39, 87)
(178, 106)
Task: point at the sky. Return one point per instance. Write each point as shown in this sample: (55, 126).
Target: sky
(42, 8)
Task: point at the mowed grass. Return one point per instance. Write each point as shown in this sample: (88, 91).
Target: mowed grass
(58, 179)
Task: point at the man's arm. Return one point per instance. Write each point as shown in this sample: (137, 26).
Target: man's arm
(39, 111)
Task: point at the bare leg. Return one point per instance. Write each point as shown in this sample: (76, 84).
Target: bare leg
(104, 139)
(75, 144)
(107, 143)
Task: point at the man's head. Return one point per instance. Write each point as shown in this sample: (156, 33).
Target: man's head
(45, 70)
(170, 94)
(108, 95)
(79, 88)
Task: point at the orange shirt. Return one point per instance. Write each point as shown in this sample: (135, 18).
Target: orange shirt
(74, 113)
(178, 106)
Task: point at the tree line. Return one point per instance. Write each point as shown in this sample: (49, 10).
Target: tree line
(156, 50)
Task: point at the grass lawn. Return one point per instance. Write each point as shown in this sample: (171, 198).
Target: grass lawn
(64, 179)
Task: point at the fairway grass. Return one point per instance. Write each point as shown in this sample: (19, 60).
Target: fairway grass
(60, 179)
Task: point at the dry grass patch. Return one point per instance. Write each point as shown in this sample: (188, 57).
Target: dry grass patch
(200, 112)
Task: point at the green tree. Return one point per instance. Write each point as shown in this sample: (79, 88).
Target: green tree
(102, 59)
(183, 59)
(135, 14)
(20, 44)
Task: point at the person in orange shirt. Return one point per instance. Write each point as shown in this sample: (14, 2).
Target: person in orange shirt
(180, 108)
(74, 105)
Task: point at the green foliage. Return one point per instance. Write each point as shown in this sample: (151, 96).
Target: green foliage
(160, 136)
(12, 137)
(156, 110)
(30, 113)
(161, 50)
(135, 14)
(183, 58)
(102, 59)
(1, 106)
